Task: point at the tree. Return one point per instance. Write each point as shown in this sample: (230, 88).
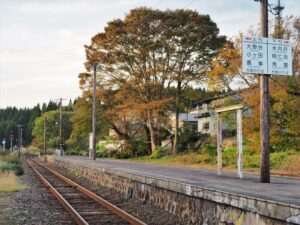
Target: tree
(151, 49)
(82, 118)
(10, 117)
(52, 128)
(284, 100)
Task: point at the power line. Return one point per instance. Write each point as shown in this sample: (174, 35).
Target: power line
(188, 4)
(158, 3)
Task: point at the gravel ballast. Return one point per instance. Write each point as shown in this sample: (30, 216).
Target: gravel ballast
(35, 204)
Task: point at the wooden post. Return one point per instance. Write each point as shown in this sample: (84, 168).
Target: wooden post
(94, 118)
(239, 143)
(264, 105)
(219, 142)
(45, 158)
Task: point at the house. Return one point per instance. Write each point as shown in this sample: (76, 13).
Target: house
(188, 120)
(206, 118)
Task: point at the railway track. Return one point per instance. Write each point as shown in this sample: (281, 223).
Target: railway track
(84, 206)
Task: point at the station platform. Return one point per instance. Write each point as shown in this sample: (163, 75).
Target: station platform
(196, 194)
(281, 189)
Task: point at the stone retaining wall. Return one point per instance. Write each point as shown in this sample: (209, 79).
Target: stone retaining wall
(201, 205)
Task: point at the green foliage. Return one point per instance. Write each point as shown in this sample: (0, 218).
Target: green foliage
(12, 165)
(159, 152)
(140, 145)
(32, 150)
(188, 137)
(101, 151)
(52, 128)
(12, 116)
(123, 154)
(210, 149)
(81, 121)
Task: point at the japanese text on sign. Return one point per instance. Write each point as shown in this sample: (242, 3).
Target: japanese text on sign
(267, 56)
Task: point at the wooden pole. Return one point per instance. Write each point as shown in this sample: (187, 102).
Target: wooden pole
(264, 105)
(60, 124)
(219, 142)
(94, 113)
(45, 158)
(240, 142)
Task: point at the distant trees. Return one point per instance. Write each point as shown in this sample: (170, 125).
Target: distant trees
(150, 51)
(12, 116)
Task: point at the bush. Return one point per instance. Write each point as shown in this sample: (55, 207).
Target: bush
(123, 154)
(18, 169)
(15, 161)
(210, 149)
(103, 154)
(159, 152)
(230, 156)
(12, 165)
(140, 145)
(5, 167)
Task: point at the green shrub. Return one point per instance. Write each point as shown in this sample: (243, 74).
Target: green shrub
(140, 145)
(15, 161)
(230, 156)
(103, 154)
(251, 160)
(4, 167)
(18, 169)
(159, 152)
(123, 154)
(13, 165)
(277, 158)
(211, 149)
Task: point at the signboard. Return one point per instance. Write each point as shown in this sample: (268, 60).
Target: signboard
(279, 57)
(255, 52)
(267, 56)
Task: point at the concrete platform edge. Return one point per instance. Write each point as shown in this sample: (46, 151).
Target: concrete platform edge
(281, 211)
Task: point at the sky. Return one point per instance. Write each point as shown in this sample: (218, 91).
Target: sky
(41, 41)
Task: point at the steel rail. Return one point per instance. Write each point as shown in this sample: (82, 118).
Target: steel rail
(75, 215)
(129, 218)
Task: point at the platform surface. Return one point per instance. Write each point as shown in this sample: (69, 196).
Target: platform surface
(281, 189)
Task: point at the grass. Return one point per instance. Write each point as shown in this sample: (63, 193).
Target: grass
(9, 183)
(280, 161)
(9, 167)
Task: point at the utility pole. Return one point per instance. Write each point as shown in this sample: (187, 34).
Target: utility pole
(20, 134)
(45, 158)
(278, 9)
(277, 12)
(264, 105)
(21, 139)
(60, 124)
(94, 112)
(11, 140)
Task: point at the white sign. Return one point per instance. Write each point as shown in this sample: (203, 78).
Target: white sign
(279, 57)
(267, 56)
(255, 52)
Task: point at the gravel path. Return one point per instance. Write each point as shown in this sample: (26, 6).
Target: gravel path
(35, 205)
